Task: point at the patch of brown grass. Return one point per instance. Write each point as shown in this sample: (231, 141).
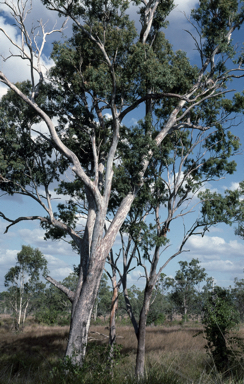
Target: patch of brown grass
(158, 339)
(33, 340)
(167, 348)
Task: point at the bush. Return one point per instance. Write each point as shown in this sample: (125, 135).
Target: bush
(160, 319)
(95, 369)
(51, 316)
(220, 317)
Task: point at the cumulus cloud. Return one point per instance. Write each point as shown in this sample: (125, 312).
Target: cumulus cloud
(214, 246)
(35, 237)
(8, 257)
(221, 258)
(233, 186)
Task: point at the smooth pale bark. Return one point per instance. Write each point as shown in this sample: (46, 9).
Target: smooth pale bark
(140, 356)
(20, 310)
(80, 323)
(25, 311)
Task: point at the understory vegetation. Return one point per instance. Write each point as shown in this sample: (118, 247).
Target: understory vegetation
(35, 355)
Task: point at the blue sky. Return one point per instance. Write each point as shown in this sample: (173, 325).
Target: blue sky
(220, 251)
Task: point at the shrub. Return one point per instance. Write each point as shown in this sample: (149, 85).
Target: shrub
(220, 317)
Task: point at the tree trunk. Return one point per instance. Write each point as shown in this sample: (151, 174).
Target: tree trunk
(95, 311)
(19, 312)
(80, 322)
(185, 309)
(141, 337)
(112, 327)
(25, 311)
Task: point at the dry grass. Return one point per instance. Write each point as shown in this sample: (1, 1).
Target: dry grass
(28, 356)
(158, 339)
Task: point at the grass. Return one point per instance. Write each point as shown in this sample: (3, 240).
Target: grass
(173, 356)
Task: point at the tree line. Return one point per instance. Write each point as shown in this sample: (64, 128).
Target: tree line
(182, 297)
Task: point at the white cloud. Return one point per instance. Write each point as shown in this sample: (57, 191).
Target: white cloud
(3, 90)
(8, 258)
(61, 273)
(221, 258)
(183, 6)
(223, 266)
(134, 121)
(233, 186)
(214, 245)
(29, 235)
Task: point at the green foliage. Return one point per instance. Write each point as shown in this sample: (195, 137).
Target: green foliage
(53, 306)
(136, 300)
(158, 308)
(104, 297)
(219, 319)
(23, 282)
(31, 262)
(183, 286)
(237, 294)
(96, 367)
(213, 18)
(80, 89)
(227, 209)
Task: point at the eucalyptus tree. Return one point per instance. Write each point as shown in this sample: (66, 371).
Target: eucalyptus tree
(23, 281)
(184, 285)
(101, 75)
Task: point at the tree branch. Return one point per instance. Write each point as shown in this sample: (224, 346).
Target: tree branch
(70, 294)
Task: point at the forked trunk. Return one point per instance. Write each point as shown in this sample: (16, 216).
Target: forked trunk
(141, 337)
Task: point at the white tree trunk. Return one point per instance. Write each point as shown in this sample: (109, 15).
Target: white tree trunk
(25, 312)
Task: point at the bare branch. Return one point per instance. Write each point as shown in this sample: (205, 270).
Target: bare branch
(70, 294)
(13, 222)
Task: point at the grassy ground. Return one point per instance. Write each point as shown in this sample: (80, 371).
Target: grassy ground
(173, 356)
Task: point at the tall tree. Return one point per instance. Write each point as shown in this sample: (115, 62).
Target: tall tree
(109, 67)
(23, 281)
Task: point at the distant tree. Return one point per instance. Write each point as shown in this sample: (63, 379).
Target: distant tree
(184, 292)
(157, 311)
(104, 297)
(4, 305)
(53, 306)
(23, 281)
(237, 294)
